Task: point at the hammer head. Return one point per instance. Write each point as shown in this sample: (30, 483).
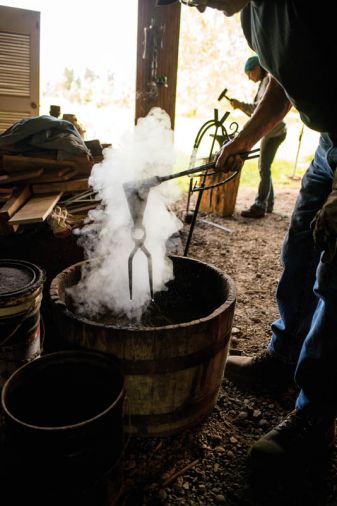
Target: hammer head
(223, 94)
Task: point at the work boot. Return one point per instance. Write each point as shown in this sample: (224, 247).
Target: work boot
(300, 435)
(270, 208)
(262, 370)
(253, 212)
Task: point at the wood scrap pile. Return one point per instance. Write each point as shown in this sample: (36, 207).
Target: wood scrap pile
(32, 186)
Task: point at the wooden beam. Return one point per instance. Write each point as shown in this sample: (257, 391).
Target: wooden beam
(53, 176)
(165, 20)
(36, 210)
(20, 176)
(16, 163)
(16, 201)
(62, 186)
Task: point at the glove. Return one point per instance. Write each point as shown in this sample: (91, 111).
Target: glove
(324, 225)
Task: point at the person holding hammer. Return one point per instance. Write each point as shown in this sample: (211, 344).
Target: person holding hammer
(264, 201)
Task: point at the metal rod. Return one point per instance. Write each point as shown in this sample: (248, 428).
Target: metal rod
(210, 155)
(298, 151)
(194, 219)
(201, 168)
(216, 225)
(215, 185)
(195, 214)
(189, 195)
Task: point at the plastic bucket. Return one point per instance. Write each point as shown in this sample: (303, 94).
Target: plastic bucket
(21, 285)
(64, 411)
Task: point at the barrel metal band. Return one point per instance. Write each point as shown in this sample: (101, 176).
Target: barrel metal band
(173, 364)
(189, 409)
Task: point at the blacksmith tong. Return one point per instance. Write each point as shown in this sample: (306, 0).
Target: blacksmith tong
(137, 193)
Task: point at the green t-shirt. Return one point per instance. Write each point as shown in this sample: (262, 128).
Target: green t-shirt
(297, 43)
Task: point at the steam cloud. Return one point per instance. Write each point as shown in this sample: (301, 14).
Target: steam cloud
(147, 151)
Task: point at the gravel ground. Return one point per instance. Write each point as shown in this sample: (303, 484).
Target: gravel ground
(208, 465)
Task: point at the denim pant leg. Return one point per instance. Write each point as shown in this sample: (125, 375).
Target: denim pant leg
(296, 298)
(268, 148)
(316, 369)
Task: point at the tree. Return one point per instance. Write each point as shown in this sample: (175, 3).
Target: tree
(88, 88)
(211, 57)
(68, 75)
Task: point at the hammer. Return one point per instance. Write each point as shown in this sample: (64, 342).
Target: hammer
(223, 94)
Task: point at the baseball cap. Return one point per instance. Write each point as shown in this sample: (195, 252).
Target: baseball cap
(252, 63)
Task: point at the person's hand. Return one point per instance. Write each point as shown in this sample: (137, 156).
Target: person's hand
(324, 226)
(235, 103)
(227, 159)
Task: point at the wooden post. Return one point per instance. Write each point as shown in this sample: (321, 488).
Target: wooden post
(157, 57)
(220, 201)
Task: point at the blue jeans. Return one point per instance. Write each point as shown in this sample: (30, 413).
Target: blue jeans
(306, 333)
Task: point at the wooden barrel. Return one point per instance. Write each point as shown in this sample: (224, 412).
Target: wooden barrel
(221, 200)
(173, 372)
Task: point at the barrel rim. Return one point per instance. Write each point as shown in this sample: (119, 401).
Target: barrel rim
(231, 298)
(51, 356)
(38, 279)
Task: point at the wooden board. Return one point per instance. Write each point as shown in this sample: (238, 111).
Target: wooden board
(20, 176)
(4, 198)
(20, 197)
(6, 191)
(85, 207)
(36, 210)
(63, 186)
(15, 163)
(5, 194)
(6, 229)
(54, 176)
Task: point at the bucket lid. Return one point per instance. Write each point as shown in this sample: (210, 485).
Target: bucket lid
(15, 276)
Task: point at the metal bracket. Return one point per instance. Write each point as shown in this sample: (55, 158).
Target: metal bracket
(153, 42)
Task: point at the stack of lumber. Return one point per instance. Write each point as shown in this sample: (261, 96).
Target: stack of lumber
(31, 187)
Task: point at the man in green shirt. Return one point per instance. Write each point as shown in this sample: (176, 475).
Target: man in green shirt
(289, 37)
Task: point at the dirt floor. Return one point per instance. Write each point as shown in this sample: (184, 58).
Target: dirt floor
(208, 464)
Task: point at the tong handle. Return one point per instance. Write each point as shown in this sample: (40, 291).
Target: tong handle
(138, 235)
(246, 155)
